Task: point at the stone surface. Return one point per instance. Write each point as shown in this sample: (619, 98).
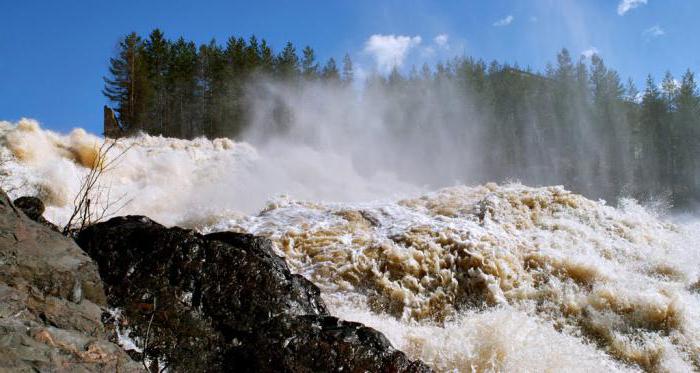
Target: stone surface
(225, 301)
(51, 301)
(31, 206)
(319, 344)
(111, 126)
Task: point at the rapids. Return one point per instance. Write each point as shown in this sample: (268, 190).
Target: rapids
(467, 278)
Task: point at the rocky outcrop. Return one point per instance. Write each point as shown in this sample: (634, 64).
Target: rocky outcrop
(225, 301)
(111, 126)
(51, 300)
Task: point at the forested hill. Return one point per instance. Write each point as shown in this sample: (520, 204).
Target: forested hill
(575, 124)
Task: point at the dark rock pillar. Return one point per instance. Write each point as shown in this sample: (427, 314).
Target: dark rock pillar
(111, 126)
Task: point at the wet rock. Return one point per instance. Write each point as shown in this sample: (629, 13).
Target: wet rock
(246, 266)
(321, 343)
(225, 300)
(44, 324)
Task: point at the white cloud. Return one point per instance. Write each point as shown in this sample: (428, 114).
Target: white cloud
(441, 41)
(654, 32)
(590, 52)
(626, 5)
(390, 51)
(504, 22)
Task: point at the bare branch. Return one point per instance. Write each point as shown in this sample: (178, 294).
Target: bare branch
(93, 201)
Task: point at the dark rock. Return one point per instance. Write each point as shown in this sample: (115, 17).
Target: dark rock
(31, 206)
(320, 344)
(225, 300)
(246, 266)
(111, 126)
(34, 208)
(51, 300)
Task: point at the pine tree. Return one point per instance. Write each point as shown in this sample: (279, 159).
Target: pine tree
(330, 72)
(608, 114)
(267, 58)
(667, 133)
(211, 89)
(631, 91)
(157, 59)
(183, 86)
(252, 54)
(654, 166)
(288, 62)
(309, 67)
(566, 120)
(686, 128)
(669, 90)
(127, 87)
(235, 54)
(348, 73)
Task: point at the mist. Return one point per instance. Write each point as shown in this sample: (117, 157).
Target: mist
(436, 132)
(423, 145)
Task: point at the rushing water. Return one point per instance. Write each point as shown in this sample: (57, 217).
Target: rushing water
(483, 278)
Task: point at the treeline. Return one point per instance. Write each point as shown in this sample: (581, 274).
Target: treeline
(179, 89)
(575, 124)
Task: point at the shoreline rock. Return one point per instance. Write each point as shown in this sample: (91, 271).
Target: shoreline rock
(226, 301)
(51, 302)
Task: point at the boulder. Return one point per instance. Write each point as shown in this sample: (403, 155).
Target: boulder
(225, 301)
(34, 208)
(51, 300)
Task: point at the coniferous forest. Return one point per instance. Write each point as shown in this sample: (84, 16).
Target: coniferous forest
(576, 123)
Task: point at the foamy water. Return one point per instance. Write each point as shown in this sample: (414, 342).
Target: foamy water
(179, 181)
(483, 278)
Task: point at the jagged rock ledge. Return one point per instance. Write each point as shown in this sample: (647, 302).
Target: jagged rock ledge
(191, 302)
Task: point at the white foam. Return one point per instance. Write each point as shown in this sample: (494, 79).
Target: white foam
(180, 181)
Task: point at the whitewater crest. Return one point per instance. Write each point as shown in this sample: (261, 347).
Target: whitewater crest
(484, 278)
(618, 279)
(179, 182)
(150, 173)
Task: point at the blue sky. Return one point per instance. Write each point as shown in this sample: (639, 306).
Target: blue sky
(53, 54)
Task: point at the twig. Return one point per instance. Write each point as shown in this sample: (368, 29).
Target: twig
(90, 204)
